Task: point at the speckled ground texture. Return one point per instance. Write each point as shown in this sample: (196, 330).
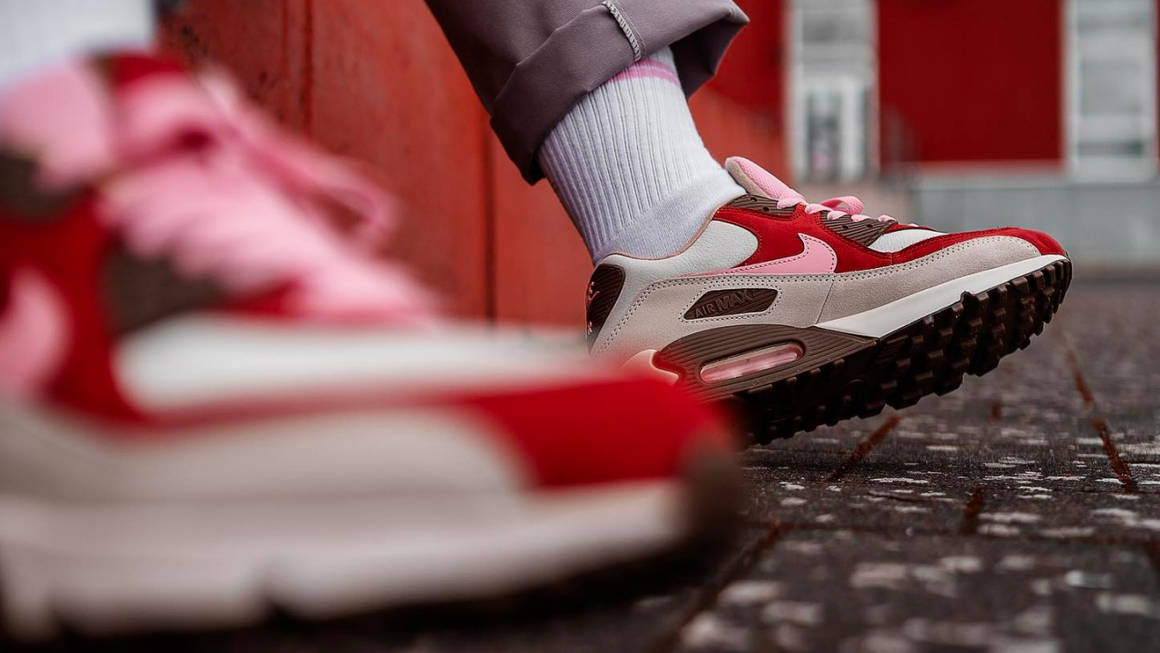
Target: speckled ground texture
(1019, 513)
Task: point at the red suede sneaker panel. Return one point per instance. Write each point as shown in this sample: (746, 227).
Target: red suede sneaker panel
(642, 429)
(68, 252)
(778, 238)
(1044, 243)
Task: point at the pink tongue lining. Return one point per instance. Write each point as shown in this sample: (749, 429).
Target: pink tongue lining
(773, 187)
(254, 218)
(753, 177)
(275, 182)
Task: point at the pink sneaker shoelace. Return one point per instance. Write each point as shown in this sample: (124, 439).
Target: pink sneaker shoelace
(786, 197)
(835, 207)
(207, 180)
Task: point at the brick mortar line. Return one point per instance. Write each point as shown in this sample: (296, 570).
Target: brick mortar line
(1119, 467)
(864, 447)
(707, 598)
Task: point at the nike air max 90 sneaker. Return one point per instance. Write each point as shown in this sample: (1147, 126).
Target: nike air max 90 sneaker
(807, 314)
(212, 402)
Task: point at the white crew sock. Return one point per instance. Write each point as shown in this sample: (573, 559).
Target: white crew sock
(34, 33)
(630, 168)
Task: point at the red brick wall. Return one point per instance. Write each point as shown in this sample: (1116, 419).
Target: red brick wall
(964, 80)
(377, 81)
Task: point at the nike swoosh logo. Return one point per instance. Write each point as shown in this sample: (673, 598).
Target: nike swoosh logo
(33, 335)
(817, 257)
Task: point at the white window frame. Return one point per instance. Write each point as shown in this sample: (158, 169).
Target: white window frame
(854, 79)
(1143, 127)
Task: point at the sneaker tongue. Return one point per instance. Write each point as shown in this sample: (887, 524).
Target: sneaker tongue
(756, 180)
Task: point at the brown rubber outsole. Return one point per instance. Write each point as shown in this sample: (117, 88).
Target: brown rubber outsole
(849, 376)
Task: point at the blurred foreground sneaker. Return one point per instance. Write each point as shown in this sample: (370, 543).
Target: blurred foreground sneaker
(211, 403)
(811, 313)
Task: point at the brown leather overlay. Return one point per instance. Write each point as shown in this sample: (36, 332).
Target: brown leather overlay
(761, 205)
(21, 196)
(863, 232)
(689, 354)
(736, 301)
(139, 292)
(603, 289)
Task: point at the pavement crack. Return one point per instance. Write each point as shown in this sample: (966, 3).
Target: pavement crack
(869, 442)
(707, 597)
(971, 511)
(1081, 385)
(1119, 466)
(996, 411)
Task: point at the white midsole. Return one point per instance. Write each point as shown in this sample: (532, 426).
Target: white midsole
(888, 318)
(116, 566)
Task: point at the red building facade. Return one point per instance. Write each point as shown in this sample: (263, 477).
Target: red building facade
(971, 80)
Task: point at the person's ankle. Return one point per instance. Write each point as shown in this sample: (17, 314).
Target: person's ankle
(668, 227)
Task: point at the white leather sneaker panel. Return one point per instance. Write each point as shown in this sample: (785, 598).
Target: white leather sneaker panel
(102, 569)
(207, 358)
(854, 292)
(887, 318)
(896, 241)
(656, 316)
(368, 452)
(720, 246)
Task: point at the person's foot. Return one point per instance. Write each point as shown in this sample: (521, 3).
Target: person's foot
(811, 313)
(211, 403)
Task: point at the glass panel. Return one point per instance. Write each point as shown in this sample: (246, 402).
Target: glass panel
(1110, 87)
(823, 134)
(834, 71)
(1120, 150)
(833, 27)
(1114, 18)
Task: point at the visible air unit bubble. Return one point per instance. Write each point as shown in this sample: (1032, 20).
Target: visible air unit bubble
(751, 362)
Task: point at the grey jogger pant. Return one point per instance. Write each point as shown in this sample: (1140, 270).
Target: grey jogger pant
(531, 60)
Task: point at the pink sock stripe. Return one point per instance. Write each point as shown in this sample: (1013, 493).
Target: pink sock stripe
(648, 69)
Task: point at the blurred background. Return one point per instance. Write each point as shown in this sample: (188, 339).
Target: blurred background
(958, 114)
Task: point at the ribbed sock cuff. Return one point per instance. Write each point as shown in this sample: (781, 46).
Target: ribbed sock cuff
(630, 168)
(670, 226)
